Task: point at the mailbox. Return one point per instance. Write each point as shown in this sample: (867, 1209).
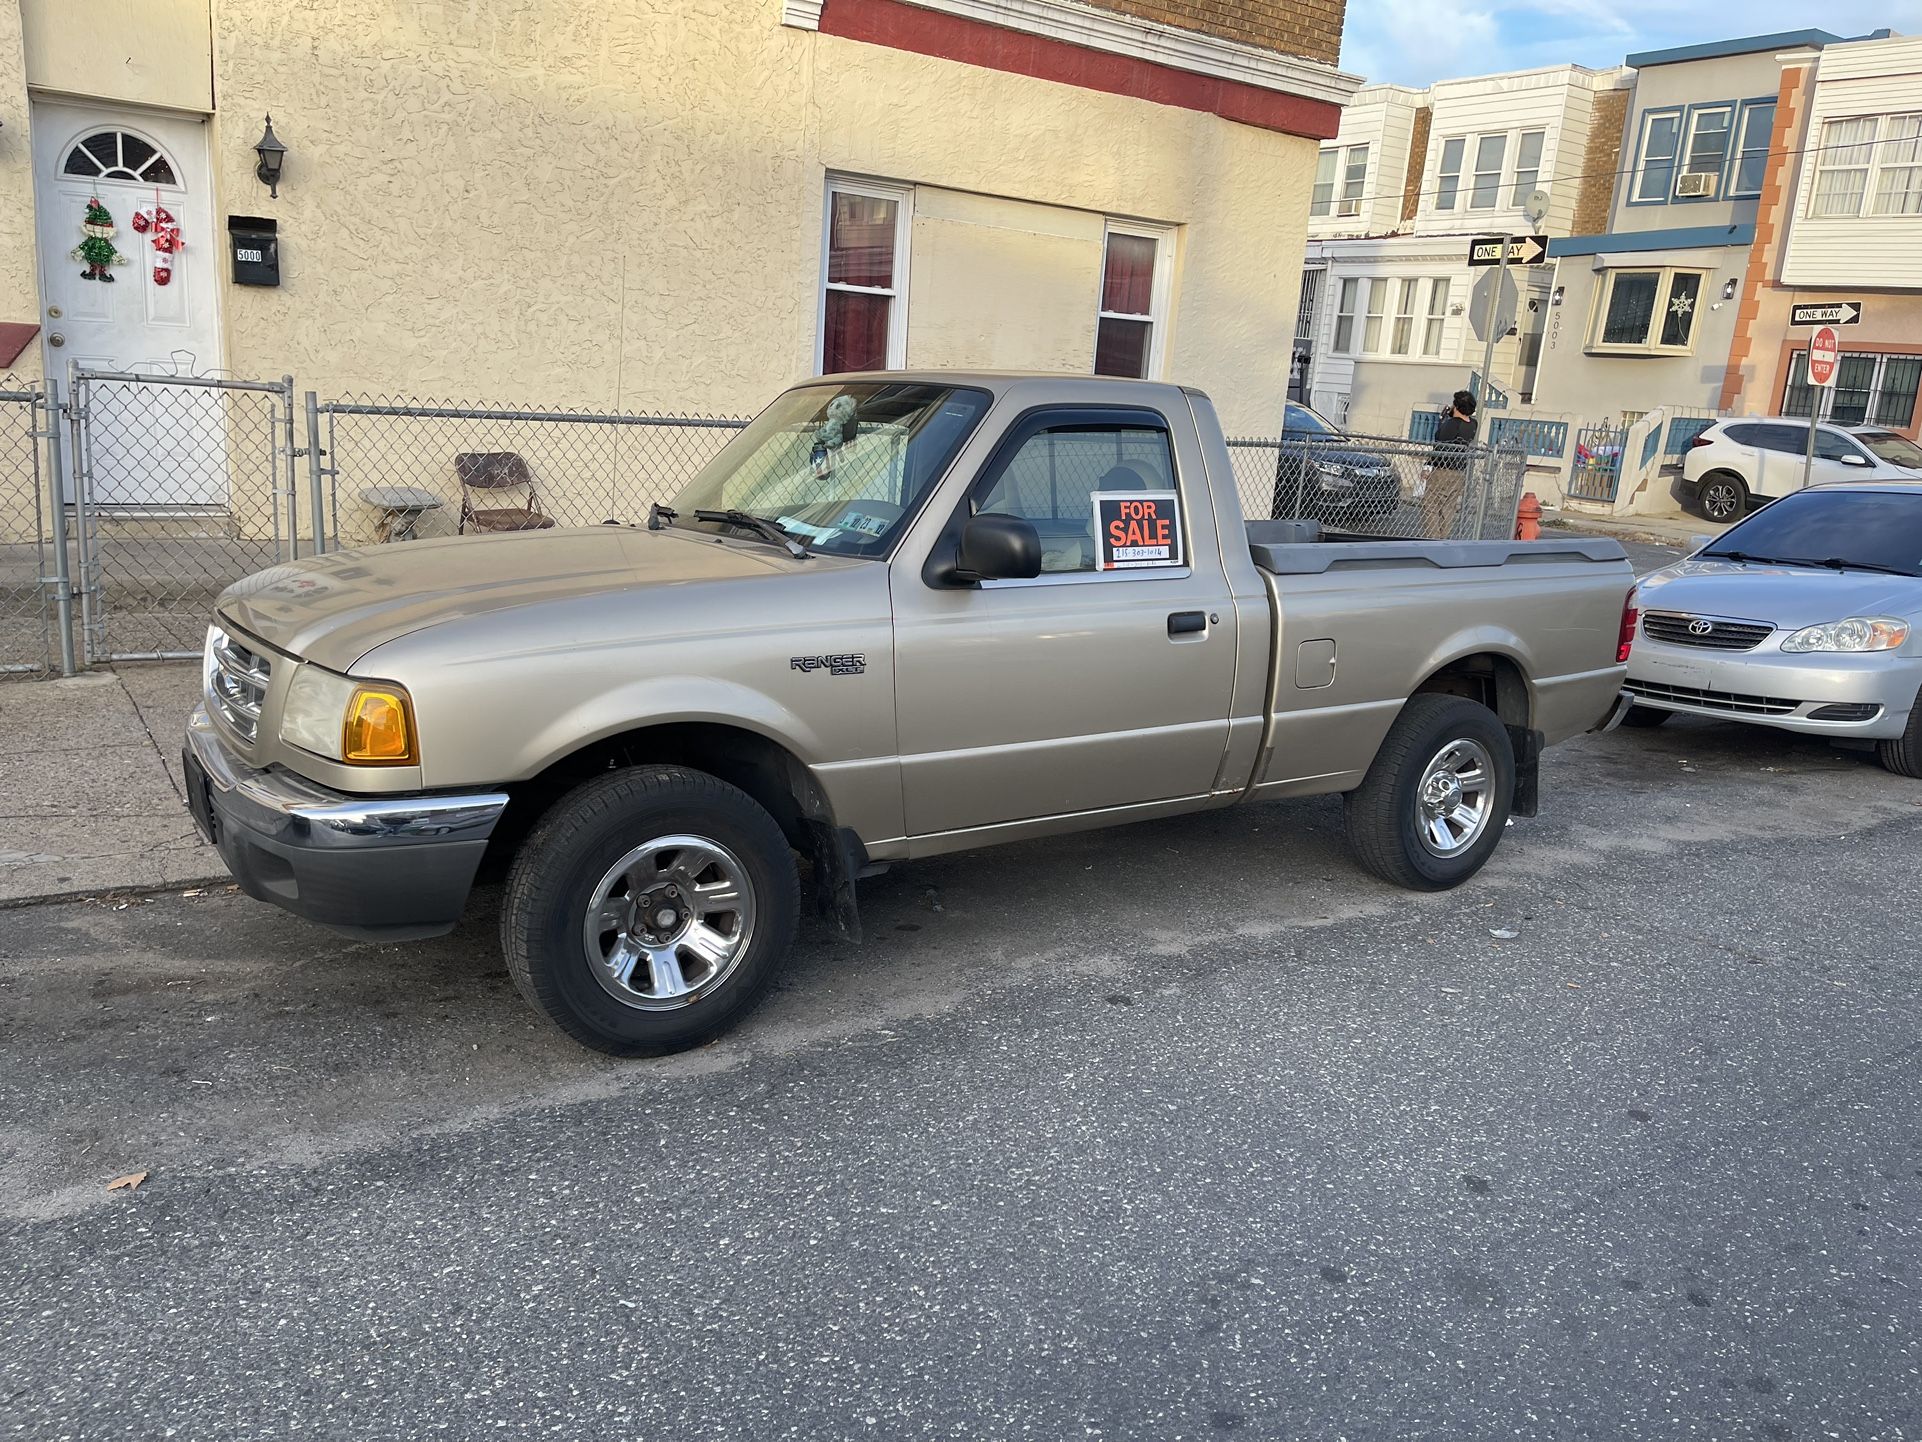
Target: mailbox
(254, 242)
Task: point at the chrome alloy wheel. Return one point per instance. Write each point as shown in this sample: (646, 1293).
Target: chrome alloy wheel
(669, 922)
(1721, 501)
(1455, 798)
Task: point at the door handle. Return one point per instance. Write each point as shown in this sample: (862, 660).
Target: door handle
(1187, 623)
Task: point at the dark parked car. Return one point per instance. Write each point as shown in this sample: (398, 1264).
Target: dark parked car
(1321, 474)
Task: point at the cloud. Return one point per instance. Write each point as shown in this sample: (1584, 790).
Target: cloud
(1413, 44)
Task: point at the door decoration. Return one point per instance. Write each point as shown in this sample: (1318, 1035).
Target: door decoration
(97, 251)
(156, 222)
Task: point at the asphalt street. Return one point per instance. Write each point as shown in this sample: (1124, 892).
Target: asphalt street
(1188, 1130)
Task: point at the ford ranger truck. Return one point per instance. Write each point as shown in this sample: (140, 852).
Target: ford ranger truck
(898, 615)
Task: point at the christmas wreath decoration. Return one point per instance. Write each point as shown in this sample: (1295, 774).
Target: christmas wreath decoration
(97, 251)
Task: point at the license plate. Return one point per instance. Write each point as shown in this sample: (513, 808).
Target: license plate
(200, 798)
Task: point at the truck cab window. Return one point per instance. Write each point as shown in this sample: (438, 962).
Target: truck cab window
(1051, 478)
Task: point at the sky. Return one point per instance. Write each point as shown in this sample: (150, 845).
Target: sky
(1414, 43)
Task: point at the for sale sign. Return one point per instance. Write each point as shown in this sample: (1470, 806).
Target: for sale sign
(1825, 353)
(1134, 529)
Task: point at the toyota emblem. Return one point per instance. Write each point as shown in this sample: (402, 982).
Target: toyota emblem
(1700, 628)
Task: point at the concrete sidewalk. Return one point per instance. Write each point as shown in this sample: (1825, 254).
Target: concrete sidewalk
(90, 787)
(1679, 531)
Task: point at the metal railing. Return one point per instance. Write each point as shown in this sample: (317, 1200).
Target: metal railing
(1382, 485)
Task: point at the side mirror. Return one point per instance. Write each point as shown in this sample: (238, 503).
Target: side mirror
(995, 547)
(1699, 542)
(1853, 458)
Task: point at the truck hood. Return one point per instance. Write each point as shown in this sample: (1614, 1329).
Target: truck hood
(334, 609)
(1787, 597)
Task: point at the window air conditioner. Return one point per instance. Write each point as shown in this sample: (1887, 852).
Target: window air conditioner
(1697, 183)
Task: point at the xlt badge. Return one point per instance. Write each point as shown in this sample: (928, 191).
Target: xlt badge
(850, 665)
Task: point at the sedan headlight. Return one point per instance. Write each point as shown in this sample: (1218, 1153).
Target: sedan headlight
(1857, 633)
(363, 723)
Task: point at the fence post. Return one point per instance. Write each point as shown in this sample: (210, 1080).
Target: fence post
(286, 394)
(314, 473)
(91, 643)
(62, 571)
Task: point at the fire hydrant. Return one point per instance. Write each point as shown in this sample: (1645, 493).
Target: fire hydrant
(1528, 518)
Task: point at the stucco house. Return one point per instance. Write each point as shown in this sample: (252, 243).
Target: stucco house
(656, 204)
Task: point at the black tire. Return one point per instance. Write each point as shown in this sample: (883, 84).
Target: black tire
(1646, 716)
(1724, 496)
(1383, 812)
(1903, 755)
(558, 868)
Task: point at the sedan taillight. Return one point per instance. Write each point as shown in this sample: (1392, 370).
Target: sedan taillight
(1625, 639)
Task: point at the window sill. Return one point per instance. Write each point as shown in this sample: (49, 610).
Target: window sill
(1644, 352)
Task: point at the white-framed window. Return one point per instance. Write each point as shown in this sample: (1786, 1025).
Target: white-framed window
(1648, 311)
(1431, 339)
(1131, 319)
(1705, 152)
(1661, 147)
(1752, 147)
(1346, 304)
(1371, 321)
(1528, 166)
(1844, 152)
(1487, 190)
(1898, 168)
(1402, 335)
(1448, 188)
(1341, 180)
(863, 323)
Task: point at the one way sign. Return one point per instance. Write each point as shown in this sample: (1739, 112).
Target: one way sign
(1835, 312)
(1522, 249)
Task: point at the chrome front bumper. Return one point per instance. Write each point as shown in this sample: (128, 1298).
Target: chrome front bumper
(391, 867)
(1771, 688)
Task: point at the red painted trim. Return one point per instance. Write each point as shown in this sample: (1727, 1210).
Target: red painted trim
(950, 37)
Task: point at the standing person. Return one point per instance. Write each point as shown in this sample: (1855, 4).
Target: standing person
(1448, 467)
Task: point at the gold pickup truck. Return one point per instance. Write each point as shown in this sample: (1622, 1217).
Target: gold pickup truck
(898, 615)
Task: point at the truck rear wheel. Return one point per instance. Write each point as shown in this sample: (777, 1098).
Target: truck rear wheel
(1431, 810)
(649, 910)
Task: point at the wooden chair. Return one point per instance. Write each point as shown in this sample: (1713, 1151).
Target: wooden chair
(498, 471)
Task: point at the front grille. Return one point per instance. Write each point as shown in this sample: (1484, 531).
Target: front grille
(236, 683)
(1678, 629)
(1732, 702)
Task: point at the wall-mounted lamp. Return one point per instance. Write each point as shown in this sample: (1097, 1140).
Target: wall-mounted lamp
(1455, 309)
(273, 160)
(1729, 287)
(1556, 298)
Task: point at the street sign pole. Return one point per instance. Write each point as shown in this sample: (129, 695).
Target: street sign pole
(1824, 358)
(1488, 350)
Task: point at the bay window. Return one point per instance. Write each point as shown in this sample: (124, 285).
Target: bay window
(1403, 334)
(864, 319)
(1431, 340)
(1648, 311)
(1134, 297)
(1371, 323)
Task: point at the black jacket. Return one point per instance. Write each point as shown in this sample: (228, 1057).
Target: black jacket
(1452, 439)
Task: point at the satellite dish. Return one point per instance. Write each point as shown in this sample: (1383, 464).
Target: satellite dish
(1537, 207)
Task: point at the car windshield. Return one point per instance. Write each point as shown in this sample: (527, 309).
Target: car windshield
(1896, 450)
(1300, 421)
(840, 467)
(1873, 530)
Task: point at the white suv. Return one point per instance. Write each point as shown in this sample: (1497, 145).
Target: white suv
(1737, 464)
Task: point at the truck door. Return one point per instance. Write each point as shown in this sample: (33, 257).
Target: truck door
(1084, 688)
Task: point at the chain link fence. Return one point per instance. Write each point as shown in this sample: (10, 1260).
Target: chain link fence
(184, 485)
(1382, 485)
(395, 470)
(27, 535)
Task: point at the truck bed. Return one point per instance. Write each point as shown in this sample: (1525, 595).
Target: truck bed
(1302, 548)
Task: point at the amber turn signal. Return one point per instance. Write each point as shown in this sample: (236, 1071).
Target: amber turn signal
(379, 730)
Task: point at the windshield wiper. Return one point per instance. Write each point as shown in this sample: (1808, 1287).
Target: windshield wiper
(1745, 556)
(760, 525)
(1836, 563)
(659, 515)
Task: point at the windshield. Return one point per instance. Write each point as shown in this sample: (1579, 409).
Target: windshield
(1299, 421)
(1896, 450)
(1876, 530)
(840, 467)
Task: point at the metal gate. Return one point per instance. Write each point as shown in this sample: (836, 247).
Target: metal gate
(33, 584)
(182, 485)
(1596, 474)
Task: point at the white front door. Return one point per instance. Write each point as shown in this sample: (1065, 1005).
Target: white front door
(152, 312)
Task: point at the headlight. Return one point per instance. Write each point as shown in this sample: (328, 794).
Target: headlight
(363, 723)
(1858, 633)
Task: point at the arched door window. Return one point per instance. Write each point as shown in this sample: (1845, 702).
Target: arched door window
(118, 155)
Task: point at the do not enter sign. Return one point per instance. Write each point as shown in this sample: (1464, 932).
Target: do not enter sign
(1825, 352)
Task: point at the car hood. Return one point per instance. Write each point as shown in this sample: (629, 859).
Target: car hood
(1787, 597)
(334, 609)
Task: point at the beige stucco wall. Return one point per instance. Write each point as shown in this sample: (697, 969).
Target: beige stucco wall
(563, 202)
(19, 276)
(147, 52)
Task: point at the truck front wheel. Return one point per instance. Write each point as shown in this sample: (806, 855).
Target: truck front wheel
(649, 910)
(1431, 810)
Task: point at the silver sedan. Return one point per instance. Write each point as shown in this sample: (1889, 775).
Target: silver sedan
(1807, 617)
